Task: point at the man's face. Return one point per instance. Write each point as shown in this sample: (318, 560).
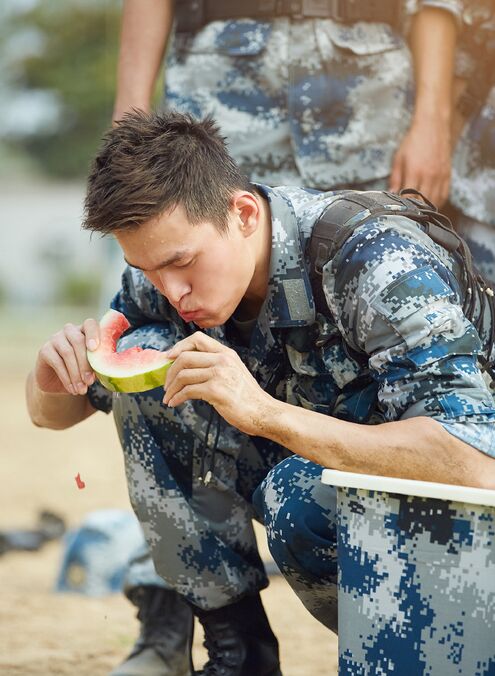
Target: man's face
(203, 273)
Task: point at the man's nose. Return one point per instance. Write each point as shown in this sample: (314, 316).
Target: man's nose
(173, 288)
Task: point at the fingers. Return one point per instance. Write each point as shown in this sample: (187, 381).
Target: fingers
(423, 162)
(197, 341)
(65, 353)
(412, 176)
(91, 330)
(444, 192)
(75, 351)
(51, 357)
(189, 360)
(200, 365)
(435, 187)
(396, 182)
(428, 181)
(177, 392)
(189, 392)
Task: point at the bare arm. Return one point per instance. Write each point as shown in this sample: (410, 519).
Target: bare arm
(55, 411)
(146, 25)
(417, 448)
(56, 388)
(424, 156)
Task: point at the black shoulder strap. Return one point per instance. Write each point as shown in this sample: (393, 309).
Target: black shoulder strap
(352, 209)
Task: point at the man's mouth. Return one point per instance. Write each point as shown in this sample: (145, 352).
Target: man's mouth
(190, 316)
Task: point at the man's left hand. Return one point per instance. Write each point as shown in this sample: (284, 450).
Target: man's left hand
(205, 369)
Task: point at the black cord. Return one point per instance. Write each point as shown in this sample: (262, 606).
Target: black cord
(204, 447)
(215, 446)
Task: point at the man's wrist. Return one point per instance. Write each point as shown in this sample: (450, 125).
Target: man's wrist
(432, 114)
(127, 106)
(269, 422)
(47, 409)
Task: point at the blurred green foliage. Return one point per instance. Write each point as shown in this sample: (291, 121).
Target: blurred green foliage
(79, 289)
(77, 62)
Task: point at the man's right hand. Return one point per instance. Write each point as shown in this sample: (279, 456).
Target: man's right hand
(62, 365)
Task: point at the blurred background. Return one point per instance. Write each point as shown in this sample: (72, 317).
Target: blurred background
(57, 80)
(57, 85)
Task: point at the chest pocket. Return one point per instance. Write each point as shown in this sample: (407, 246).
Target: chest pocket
(359, 39)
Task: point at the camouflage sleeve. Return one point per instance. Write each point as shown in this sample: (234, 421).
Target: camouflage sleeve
(455, 7)
(396, 301)
(100, 397)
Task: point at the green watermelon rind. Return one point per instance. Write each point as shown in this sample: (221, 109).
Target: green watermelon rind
(114, 376)
(141, 382)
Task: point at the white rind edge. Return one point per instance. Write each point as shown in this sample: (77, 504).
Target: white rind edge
(425, 489)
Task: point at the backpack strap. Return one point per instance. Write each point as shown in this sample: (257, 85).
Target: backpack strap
(351, 209)
(342, 217)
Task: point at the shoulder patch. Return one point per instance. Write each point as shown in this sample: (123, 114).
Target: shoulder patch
(411, 292)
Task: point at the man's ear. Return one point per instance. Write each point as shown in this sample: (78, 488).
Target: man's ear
(245, 210)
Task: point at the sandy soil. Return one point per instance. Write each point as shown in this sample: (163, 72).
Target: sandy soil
(44, 633)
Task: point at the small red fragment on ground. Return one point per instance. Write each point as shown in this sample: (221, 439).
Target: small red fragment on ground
(80, 483)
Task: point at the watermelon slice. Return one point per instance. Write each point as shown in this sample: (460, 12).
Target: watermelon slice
(132, 370)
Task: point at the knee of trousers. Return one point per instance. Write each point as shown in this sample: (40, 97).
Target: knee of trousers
(299, 513)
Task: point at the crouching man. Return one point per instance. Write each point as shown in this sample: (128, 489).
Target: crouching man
(363, 355)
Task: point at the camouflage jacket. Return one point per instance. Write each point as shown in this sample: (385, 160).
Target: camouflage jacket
(392, 295)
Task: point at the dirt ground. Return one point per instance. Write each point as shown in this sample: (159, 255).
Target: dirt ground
(44, 633)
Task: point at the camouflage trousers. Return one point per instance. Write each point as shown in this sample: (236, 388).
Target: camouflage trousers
(200, 536)
(301, 102)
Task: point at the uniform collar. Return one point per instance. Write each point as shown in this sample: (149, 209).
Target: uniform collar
(289, 300)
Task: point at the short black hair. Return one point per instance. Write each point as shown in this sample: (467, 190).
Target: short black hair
(151, 162)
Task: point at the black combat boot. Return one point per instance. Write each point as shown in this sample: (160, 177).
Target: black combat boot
(164, 644)
(239, 640)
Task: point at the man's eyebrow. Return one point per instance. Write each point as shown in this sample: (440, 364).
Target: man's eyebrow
(168, 261)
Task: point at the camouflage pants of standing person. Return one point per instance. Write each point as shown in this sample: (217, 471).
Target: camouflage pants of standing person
(301, 102)
(412, 596)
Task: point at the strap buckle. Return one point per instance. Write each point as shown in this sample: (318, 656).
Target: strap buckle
(315, 9)
(190, 15)
(343, 10)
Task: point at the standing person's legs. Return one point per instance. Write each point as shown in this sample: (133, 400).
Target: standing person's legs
(238, 72)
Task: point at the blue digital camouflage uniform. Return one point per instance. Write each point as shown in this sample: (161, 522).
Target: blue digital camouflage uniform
(310, 102)
(392, 293)
(301, 102)
(473, 166)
